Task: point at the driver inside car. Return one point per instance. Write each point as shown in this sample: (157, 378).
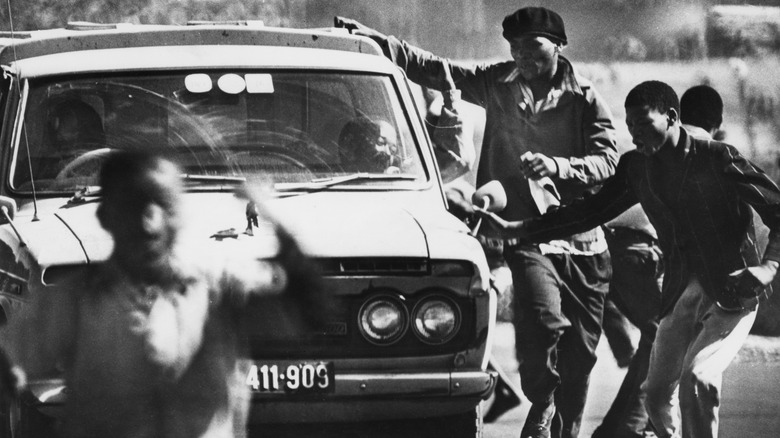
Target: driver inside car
(73, 128)
(366, 145)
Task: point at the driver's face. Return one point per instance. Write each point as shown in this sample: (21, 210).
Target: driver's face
(386, 143)
(66, 129)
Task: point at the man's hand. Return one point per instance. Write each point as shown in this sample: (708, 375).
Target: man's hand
(754, 277)
(536, 166)
(459, 206)
(748, 283)
(513, 229)
(358, 29)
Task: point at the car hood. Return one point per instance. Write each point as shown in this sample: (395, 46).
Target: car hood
(326, 225)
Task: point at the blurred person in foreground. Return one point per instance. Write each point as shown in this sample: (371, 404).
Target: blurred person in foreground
(548, 138)
(150, 341)
(698, 195)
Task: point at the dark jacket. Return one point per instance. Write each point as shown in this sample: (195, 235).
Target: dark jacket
(576, 131)
(702, 213)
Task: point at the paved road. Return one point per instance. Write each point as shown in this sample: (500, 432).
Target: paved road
(751, 391)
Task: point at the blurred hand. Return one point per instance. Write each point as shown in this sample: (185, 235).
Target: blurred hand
(358, 29)
(12, 379)
(536, 166)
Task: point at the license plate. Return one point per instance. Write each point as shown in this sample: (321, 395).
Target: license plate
(291, 377)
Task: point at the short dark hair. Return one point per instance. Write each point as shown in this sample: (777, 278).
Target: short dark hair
(123, 172)
(655, 94)
(357, 138)
(701, 106)
(88, 121)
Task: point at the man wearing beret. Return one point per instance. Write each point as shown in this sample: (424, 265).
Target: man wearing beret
(547, 131)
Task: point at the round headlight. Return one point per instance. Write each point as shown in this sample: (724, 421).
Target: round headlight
(436, 320)
(383, 320)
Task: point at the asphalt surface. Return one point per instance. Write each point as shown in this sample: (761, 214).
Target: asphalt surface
(749, 406)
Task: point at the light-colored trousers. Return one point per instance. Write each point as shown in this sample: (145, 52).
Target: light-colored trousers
(694, 345)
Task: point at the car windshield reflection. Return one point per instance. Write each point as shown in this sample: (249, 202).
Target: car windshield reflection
(289, 128)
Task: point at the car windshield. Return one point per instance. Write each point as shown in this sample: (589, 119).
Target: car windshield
(284, 126)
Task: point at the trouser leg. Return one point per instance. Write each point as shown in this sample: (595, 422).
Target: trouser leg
(539, 323)
(617, 330)
(677, 331)
(627, 416)
(715, 346)
(558, 311)
(583, 292)
(635, 289)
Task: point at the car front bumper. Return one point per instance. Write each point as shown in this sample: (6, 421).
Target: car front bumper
(375, 397)
(356, 397)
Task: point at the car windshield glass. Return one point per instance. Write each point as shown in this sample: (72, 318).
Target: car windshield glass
(278, 126)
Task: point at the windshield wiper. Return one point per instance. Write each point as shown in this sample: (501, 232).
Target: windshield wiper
(324, 183)
(213, 178)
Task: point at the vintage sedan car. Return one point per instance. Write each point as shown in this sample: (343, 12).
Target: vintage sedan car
(323, 121)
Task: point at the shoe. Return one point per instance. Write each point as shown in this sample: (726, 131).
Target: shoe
(538, 422)
(505, 399)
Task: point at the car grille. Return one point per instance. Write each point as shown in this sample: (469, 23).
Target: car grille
(340, 336)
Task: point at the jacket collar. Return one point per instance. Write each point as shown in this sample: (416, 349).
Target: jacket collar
(685, 142)
(565, 78)
(695, 131)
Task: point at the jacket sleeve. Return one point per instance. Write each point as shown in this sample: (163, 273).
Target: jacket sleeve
(615, 197)
(426, 69)
(757, 189)
(598, 134)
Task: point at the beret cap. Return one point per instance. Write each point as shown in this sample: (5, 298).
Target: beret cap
(535, 21)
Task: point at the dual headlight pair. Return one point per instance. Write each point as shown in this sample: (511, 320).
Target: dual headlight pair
(385, 318)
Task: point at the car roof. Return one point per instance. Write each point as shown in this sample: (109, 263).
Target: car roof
(91, 47)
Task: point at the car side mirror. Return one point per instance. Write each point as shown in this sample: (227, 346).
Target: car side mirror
(7, 209)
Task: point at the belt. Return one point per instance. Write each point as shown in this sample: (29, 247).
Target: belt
(520, 244)
(515, 242)
(631, 234)
(596, 246)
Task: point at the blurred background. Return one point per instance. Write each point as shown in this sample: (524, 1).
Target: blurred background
(733, 46)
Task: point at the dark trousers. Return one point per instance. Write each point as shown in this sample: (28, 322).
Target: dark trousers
(636, 290)
(558, 307)
(617, 330)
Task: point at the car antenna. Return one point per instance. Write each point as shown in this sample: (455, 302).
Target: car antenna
(24, 126)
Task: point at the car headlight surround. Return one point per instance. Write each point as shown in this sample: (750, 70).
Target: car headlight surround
(383, 319)
(436, 319)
